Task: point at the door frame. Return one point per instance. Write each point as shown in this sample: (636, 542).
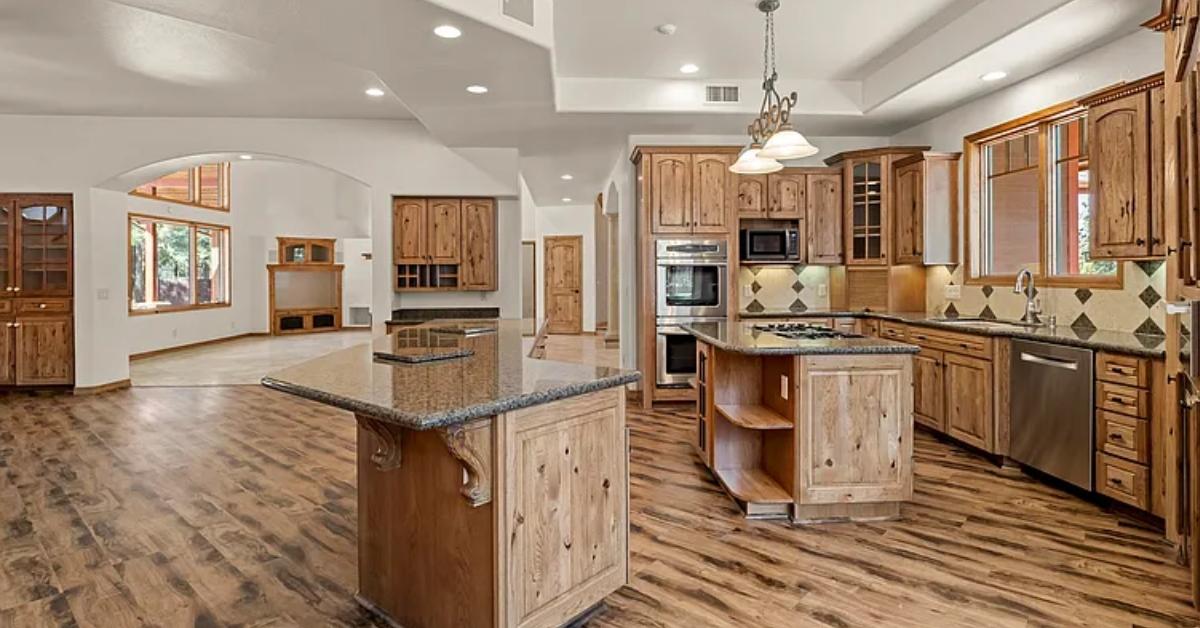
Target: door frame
(546, 241)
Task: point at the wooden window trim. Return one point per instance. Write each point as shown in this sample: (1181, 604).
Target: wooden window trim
(194, 190)
(1039, 121)
(192, 226)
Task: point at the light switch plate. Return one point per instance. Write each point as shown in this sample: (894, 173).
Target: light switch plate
(783, 387)
(102, 294)
(747, 292)
(953, 291)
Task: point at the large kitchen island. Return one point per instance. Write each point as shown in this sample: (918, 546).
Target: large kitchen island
(492, 487)
(805, 422)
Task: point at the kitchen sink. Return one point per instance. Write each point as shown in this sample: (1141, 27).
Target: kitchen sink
(989, 323)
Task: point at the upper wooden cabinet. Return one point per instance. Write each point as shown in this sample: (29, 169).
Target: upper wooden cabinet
(866, 180)
(478, 244)
(925, 206)
(751, 195)
(823, 195)
(786, 196)
(305, 250)
(444, 244)
(691, 191)
(712, 193)
(1124, 126)
(444, 230)
(408, 231)
(671, 196)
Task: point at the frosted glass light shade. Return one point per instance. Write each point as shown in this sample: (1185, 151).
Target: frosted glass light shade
(751, 162)
(787, 144)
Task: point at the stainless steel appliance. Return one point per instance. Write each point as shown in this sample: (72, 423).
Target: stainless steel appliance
(676, 361)
(803, 331)
(1051, 400)
(767, 245)
(692, 276)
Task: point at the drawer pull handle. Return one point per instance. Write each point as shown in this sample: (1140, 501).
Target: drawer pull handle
(1117, 437)
(1120, 401)
(1115, 481)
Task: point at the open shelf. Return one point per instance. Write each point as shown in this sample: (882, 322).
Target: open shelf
(753, 486)
(753, 417)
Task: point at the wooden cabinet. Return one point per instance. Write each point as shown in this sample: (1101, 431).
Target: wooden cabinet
(925, 205)
(444, 244)
(304, 291)
(712, 193)
(1128, 421)
(692, 193)
(929, 389)
(867, 184)
(44, 350)
(786, 196)
(704, 402)
(751, 195)
(954, 382)
(1125, 160)
(823, 195)
(8, 354)
(671, 197)
(968, 385)
(305, 250)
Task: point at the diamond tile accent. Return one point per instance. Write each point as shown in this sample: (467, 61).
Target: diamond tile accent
(797, 286)
(1150, 296)
(755, 287)
(1149, 266)
(755, 306)
(1083, 323)
(797, 306)
(951, 311)
(1083, 294)
(987, 313)
(988, 290)
(1149, 328)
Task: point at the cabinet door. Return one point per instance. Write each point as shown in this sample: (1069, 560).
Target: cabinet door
(43, 246)
(712, 193)
(908, 207)
(444, 231)
(786, 196)
(408, 230)
(704, 399)
(1119, 152)
(969, 400)
(1158, 231)
(8, 373)
(45, 351)
(671, 193)
(478, 270)
(866, 213)
(752, 195)
(824, 197)
(928, 389)
(7, 249)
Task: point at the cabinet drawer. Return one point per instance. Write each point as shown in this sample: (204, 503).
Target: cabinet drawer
(1123, 436)
(1123, 369)
(1123, 399)
(893, 331)
(6, 306)
(966, 344)
(43, 306)
(1123, 481)
(868, 327)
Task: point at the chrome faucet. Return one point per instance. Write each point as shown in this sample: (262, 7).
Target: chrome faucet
(1025, 284)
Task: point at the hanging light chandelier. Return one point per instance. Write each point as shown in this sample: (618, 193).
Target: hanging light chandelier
(772, 137)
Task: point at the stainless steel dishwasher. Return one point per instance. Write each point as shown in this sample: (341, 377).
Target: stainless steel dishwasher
(1051, 410)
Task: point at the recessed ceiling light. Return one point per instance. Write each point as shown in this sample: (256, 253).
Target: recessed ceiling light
(446, 31)
(566, 199)
(689, 68)
(567, 177)
(665, 29)
(477, 89)
(245, 156)
(374, 92)
(994, 75)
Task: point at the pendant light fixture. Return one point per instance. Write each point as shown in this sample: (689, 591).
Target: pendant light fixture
(772, 137)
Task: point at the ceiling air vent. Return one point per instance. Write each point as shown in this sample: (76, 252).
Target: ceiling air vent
(721, 94)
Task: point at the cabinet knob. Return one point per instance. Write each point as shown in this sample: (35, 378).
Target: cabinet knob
(1140, 241)
(16, 288)
(41, 306)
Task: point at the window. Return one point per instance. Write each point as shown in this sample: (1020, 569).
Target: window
(1028, 202)
(203, 186)
(175, 265)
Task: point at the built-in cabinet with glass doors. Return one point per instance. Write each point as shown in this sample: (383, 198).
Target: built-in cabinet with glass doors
(305, 287)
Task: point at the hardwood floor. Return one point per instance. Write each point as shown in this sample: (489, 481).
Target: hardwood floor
(215, 506)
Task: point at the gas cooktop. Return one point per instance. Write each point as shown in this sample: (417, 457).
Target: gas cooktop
(803, 331)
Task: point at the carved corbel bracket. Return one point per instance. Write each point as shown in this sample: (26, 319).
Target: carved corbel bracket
(471, 444)
(387, 442)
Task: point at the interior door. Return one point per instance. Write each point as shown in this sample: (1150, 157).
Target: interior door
(564, 284)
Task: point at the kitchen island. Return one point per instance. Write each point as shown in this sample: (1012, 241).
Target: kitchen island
(492, 487)
(816, 427)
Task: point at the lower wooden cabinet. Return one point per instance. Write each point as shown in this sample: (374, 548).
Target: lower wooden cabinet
(929, 389)
(41, 353)
(8, 356)
(969, 400)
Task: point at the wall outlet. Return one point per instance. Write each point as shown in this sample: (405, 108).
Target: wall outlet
(747, 292)
(822, 289)
(783, 387)
(953, 291)
(102, 294)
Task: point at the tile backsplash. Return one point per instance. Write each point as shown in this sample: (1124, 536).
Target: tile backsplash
(783, 288)
(1138, 307)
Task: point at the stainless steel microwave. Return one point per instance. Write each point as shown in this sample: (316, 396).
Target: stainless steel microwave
(768, 245)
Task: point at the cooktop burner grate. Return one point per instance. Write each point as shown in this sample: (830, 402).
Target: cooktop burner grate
(803, 331)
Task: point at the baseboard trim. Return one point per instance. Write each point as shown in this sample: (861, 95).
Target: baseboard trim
(103, 388)
(193, 345)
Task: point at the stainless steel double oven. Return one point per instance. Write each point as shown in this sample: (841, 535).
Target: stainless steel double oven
(692, 286)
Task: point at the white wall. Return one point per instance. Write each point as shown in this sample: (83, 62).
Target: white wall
(77, 154)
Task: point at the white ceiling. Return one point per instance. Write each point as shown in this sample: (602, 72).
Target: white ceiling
(568, 102)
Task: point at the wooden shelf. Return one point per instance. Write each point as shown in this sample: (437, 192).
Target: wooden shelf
(754, 417)
(753, 486)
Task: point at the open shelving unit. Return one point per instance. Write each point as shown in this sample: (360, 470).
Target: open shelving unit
(305, 288)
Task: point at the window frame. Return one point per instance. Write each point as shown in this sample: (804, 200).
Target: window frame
(1040, 121)
(192, 226)
(194, 189)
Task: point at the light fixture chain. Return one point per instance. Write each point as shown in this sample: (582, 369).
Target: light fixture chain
(771, 38)
(767, 49)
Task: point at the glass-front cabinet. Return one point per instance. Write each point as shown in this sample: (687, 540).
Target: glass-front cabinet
(7, 252)
(867, 241)
(306, 250)
(35, 245)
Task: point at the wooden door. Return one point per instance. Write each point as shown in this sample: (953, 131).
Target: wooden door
(786, 196)
(564, 284)
(8, 347)
(7, 248)
(478, 270)
(824, 198)
(671, 193)
(45, 351)
(929, 389)
(969, 400)
(1119, 151)
(42, 261)
(408, 230)
(752, 195)
(908, 207)
(712, 193)
(444, 243)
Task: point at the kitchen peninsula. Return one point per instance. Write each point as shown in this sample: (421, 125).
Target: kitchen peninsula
(809, 423)
(492, 487)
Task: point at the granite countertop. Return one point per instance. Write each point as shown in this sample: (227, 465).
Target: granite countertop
(744, 338)
(1101, 339)
(497, 377)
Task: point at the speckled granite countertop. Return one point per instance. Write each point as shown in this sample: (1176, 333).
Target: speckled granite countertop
(1099, 339)
(497, 378)
(744, 338)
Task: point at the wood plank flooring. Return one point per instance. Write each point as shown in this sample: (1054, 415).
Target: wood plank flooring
(235, 506)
